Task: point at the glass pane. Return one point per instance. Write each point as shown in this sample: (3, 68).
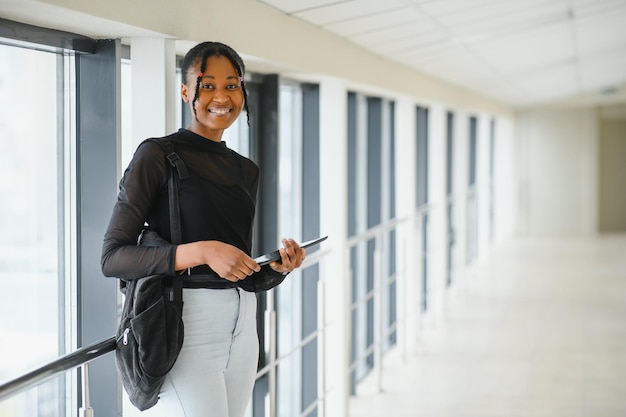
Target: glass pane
(43, 400)
(29, 220)
(289, 382)
(289, 295)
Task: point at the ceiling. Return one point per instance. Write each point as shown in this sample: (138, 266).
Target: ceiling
(520, 52)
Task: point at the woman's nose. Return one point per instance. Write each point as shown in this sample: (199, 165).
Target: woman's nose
(220, 95)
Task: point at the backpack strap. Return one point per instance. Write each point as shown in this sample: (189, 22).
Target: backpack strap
(175, 160)
(178, 173)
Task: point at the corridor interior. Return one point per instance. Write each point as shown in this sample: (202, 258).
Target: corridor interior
(536, 330)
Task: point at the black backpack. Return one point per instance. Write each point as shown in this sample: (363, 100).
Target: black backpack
(151, 331)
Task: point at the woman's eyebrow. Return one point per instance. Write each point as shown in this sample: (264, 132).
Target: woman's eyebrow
(213, 77)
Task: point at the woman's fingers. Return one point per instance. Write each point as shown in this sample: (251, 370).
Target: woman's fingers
(291, 256)
(230, 262)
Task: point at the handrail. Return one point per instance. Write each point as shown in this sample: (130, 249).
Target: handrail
(62, 364)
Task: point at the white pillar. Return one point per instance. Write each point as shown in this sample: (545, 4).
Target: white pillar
(409, 290)
(155, 93)
(334, 268)
(483, 185)
(460, 187)
(505, 183)
(438, 228)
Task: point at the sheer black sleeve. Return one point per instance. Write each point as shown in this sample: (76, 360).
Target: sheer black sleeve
(145, 177)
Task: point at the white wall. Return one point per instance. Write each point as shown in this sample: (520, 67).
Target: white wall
(504, 178)
(557, 172)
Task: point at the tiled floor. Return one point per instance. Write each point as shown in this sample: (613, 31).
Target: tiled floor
(537, 331)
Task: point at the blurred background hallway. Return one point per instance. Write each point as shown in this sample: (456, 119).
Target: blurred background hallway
(537, 330)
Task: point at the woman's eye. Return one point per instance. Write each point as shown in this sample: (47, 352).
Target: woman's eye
(232, 86)
(206, 86)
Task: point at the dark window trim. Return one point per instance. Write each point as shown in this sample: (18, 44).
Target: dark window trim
(97, 127)
(473, 143)
(310, 197)
(449, 152)
(422, 139)
(43, 39)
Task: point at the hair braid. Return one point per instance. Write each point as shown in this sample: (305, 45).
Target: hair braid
(245, 100)
(205, 55)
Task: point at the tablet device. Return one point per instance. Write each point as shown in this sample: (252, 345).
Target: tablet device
(275, 255)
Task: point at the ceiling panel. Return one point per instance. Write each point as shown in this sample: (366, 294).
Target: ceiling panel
(416, 45)
(601, 31)
(593, 7)
(525, 51)
(431, 52)
(446, 66)
(553, 83)
(521, 21)
(289, 6)
(344, 11)
(501, 13)
(405, 15)
(413, 33)
(519, 52)
(444, 7)
(496, 86)
(605, 73)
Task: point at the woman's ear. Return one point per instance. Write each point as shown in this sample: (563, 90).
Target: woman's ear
(184, 92)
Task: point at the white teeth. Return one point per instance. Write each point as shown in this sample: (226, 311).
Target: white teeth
(219, 111)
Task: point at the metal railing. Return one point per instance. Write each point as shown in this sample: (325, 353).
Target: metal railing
(381, 329)
(81, 357)
(274, 359)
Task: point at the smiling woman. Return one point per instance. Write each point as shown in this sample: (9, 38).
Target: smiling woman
(215, 371)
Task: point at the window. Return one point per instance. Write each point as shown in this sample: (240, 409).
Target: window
(370, 208)
(60, 126)
(34, 244)
(296, 299)
(287, 149)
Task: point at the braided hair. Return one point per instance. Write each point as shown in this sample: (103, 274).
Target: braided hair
(200, 53)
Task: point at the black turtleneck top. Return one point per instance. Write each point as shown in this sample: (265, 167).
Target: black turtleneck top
(217, 202)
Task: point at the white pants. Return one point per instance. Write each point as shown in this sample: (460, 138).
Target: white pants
(215, 372)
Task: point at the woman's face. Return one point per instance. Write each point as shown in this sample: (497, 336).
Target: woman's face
(220, 97)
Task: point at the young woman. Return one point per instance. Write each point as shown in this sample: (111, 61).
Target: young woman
(215, 372)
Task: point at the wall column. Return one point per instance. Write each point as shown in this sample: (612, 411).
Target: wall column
(154, 89)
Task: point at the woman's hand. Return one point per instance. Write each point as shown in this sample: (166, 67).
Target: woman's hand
(228, 261)
(291, 257)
